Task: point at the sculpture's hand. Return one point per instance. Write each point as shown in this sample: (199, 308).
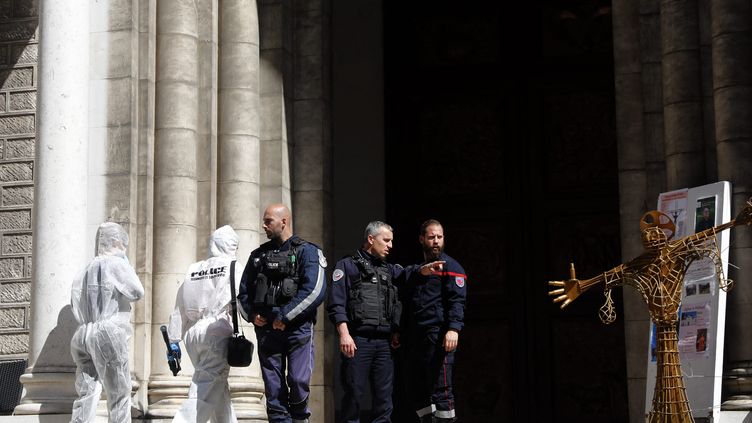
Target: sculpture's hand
(566, 291)
(745, 216)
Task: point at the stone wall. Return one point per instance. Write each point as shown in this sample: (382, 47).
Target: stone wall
(18, 58)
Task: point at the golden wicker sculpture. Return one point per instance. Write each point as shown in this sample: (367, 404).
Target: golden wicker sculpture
(658, 274)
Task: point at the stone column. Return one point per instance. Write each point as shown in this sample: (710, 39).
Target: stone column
(632, 187)
(239, 164)
(239, 122)
(206, 150)
(706, 90)
(113, 143)
(60, 248)
(276, 74)
(732, 82)
(682, 109)
(312, 182)
(652, 99)
(175, 185)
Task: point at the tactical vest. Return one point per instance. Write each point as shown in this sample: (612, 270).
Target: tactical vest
(373, 298)
(277, 277)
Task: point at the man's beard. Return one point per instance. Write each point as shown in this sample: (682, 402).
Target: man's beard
(431, 253)
(273, 236)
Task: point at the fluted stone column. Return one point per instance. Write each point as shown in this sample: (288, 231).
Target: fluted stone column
(61, 247)
(682, 109)
(632, 187)
(175, 185)
(239, 164)
(732, 89)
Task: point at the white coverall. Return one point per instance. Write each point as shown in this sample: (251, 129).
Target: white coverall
(100, 301)
(203, 321)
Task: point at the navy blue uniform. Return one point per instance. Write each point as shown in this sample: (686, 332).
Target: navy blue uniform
(371, 335)
(434, 304)
(292, 348)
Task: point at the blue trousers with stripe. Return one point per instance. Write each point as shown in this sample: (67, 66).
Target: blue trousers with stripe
(286, 359)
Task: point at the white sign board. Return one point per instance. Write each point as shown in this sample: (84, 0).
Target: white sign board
(702, 315)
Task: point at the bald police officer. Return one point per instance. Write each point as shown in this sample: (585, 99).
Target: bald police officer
(282, 286)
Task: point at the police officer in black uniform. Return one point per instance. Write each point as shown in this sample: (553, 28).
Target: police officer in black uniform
(364, 306)
(282, 286)
(434, 315)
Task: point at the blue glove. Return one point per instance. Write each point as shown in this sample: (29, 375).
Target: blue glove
(174, 351)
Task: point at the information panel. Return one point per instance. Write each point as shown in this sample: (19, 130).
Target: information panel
(703, 310)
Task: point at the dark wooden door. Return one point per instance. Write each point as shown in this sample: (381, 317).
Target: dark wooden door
(500, 123)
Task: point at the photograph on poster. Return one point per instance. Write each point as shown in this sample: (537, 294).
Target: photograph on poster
(704, 214)
(693, 330)
(690, 290)
(701, 344)
(704, 288)
(674, 204)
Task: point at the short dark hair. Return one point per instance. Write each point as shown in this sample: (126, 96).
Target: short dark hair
(430, 222)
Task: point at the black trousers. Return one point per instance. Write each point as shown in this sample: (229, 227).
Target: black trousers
(373, 360)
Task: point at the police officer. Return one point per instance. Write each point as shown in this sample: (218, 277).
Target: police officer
(282, 285)
(364, 306)
(435, 312)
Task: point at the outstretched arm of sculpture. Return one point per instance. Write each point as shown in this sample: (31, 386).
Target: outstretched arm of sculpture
(743, 218)
(567, 291)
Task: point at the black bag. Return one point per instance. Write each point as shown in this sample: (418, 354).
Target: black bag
(239, 349)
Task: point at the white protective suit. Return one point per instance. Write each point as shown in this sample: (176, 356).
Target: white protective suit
(203, 321)
(100, 301)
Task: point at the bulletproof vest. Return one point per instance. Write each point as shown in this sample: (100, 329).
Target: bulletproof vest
(373, 298)
(277, 276)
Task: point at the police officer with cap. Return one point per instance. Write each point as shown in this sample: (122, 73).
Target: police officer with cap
(435, 310)
(281, 288)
